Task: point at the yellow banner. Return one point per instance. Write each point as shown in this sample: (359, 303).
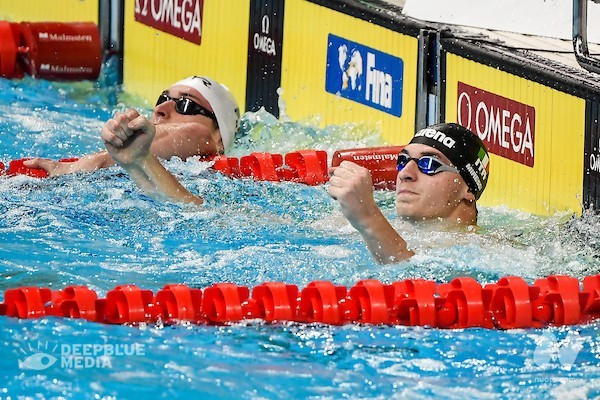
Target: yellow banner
(154, 59)
(306, 38)
(49, 11)
(535, 135)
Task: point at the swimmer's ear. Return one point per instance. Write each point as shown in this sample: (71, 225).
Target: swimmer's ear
(219, 141)
(469, 196)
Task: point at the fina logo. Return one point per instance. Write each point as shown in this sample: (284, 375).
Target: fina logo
(351, 65)
(364, 75)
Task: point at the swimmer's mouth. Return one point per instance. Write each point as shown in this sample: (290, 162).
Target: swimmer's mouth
(405, 192)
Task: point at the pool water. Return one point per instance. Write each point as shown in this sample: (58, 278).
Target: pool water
(98, 230)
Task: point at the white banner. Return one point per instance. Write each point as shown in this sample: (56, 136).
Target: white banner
(551, 18)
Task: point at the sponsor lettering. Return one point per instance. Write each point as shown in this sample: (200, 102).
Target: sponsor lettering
(64, 69)
(369, 157)
(474, 175)
(54, 37)
(182, 18)
(379, 84)
(507, 127)
(264, 44)
(262, 41)
(364, 75)
(437, 135)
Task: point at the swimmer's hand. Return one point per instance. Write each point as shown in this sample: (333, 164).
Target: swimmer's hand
(53, 168)
(352, 186)
(128, 137)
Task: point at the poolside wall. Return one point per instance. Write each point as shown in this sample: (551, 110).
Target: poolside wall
(49, 10)
(536, 134)
(545, 151)
(154, 59)
(312, 78)
(254, 60)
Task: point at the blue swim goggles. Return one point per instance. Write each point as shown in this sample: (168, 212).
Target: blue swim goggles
(186, 106)
(429, 165)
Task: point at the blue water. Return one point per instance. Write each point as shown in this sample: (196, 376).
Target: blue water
(98, 230)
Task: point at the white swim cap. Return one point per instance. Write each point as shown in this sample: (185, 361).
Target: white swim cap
(222, 102)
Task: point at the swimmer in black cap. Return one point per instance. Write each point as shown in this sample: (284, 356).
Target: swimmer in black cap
(447, 177)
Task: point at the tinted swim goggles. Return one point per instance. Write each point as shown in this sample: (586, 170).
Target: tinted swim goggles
(429, 165)
(187, 106)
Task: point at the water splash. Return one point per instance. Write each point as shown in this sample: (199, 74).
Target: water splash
(98, 230)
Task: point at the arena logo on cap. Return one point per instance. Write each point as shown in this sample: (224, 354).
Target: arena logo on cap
(181, 18)
(365, 75)
(437, 135)
(506, 126)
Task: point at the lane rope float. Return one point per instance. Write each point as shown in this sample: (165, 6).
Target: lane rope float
(309, 167)
(462, 303)
(59, 51)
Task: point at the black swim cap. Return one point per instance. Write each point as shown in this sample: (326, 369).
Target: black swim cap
(463, 148)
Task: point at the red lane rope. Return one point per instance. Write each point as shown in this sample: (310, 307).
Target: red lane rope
(303, 166)
(32, 48)
(463, 303)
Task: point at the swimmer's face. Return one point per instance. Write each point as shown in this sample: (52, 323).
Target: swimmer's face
(420, 196)
(184, 135)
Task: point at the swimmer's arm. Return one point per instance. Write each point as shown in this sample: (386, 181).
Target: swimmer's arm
(128, 138)
(352, 186)
(151, 177)
(87, 163)
(382, 240)
(102, 159)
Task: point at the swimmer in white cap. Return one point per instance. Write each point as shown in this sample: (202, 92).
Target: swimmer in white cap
(131, 139)
(442, 185)
(196, 116)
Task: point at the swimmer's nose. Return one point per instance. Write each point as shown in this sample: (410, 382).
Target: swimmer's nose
(409, 172)
(164, 110)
